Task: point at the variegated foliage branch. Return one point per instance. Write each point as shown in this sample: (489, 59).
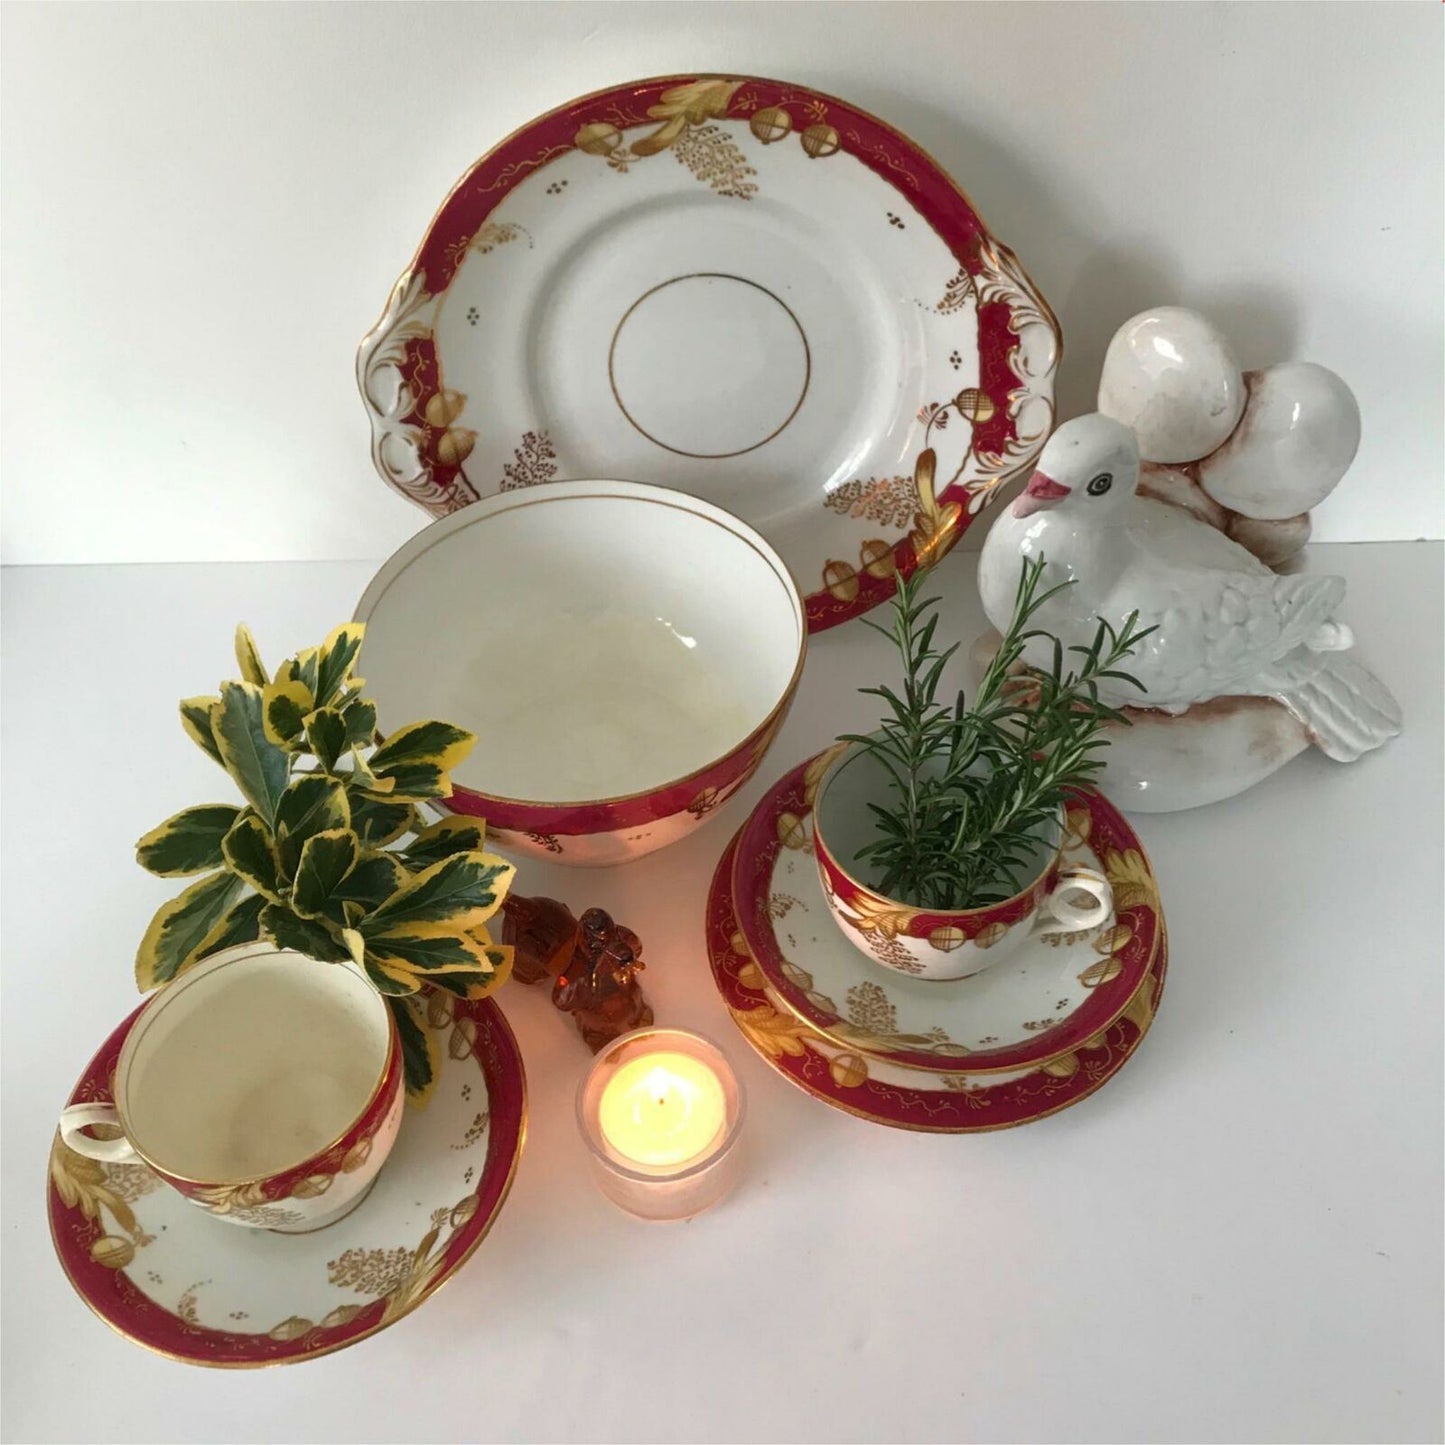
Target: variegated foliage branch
(308, 861)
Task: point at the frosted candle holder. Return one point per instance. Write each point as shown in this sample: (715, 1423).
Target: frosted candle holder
(661, 1111)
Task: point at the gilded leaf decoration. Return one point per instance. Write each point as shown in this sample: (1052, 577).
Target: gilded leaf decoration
(1131, 880)
(772, 1033)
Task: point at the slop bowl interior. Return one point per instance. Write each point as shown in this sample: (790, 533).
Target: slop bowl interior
(602, 639)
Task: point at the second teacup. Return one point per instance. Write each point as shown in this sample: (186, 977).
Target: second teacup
(264, 1086)
(945, 943)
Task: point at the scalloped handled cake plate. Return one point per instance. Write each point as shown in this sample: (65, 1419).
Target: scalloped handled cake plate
(199, 1290)
(734, 287)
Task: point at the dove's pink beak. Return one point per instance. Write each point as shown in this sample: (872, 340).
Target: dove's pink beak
(1042, 491)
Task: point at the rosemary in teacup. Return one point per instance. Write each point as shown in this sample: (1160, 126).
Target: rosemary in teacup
(975, 790)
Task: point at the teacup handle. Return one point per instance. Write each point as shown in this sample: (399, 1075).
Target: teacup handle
(79, 1117)
(1058, 915)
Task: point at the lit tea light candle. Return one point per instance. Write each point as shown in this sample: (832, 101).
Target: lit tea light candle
(661, 1112)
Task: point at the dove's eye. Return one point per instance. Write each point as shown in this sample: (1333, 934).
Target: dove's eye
(1100, 485)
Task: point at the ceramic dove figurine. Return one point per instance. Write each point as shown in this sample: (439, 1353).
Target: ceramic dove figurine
(1227, 625)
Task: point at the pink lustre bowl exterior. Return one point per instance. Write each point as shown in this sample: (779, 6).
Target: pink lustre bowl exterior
(626, 655)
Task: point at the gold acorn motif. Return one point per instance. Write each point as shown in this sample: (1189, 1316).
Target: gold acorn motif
(455, 446)
(312, 1187)
(444, 408)
(597, 138)
(463, 1039)
(974, 405)
(947, 937)
(877, 558)
(989, 935)
(791, 831)
(848, 1070)
(771, 124)
(463, 1211)
(841, 580)
(819, 141)
(356, 1156)
(112, 1251)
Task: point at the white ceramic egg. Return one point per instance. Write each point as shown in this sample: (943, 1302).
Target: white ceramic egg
(1172, 379)
(1170, 484)
(1298, 436)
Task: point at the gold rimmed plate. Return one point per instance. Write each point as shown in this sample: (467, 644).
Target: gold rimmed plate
(903, 1098)
(1044, 1001)
(740, 288)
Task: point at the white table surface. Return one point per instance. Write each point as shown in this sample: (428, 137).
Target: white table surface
(1238, 1239)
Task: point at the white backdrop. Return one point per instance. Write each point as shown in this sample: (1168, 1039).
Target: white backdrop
(204, 207)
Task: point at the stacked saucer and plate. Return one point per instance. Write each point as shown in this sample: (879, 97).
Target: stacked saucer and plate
(1045, 1026)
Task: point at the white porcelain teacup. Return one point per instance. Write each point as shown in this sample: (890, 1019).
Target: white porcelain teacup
(939, 944)
(264, 1086)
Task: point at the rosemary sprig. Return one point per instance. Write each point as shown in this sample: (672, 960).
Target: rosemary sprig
(973, 788)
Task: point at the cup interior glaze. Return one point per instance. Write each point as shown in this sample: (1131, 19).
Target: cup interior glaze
(843, 819)
(250, 1065)
(602, 639)
(934, 944)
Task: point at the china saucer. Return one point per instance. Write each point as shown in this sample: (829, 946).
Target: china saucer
(904, 1098)
(1056, 992)
(733, 287)
(159, 1271)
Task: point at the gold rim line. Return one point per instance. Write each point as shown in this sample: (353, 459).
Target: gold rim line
(709, 276)
(340, 1344)
(1046, 311)
(924, 1068)
(562, 491)
(152, 1010)
(858, 1113)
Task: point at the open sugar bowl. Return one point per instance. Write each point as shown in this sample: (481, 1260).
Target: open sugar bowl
(624, 653)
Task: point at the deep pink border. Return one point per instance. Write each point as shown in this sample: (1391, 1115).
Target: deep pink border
(132, 1313)
(758, 847)
(1020, 1101)
(890, 155)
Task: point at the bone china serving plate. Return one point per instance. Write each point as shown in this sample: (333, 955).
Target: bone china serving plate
(904, 1098)
(738, 288)
(1044, 1001)
(159, 1271)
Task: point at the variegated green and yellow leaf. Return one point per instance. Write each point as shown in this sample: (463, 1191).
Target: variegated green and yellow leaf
(378, 823)
(462, 891)
(259, 767)
(326, 859)
(303, 935)
(242, 924)
(196, 719)
(360, 716)
(437, 745)
(250, 853)
(248, 657)
(187, 842)
(301, 668)
(427, 948)
(370, 883)
(477, 985)
(442, 839)
(181, 926)
(337, 660)
(410, 783)
(311, 804)
(326, 735)
(393, 981)
(285, 705)
(420, 1049)
(364, 781)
